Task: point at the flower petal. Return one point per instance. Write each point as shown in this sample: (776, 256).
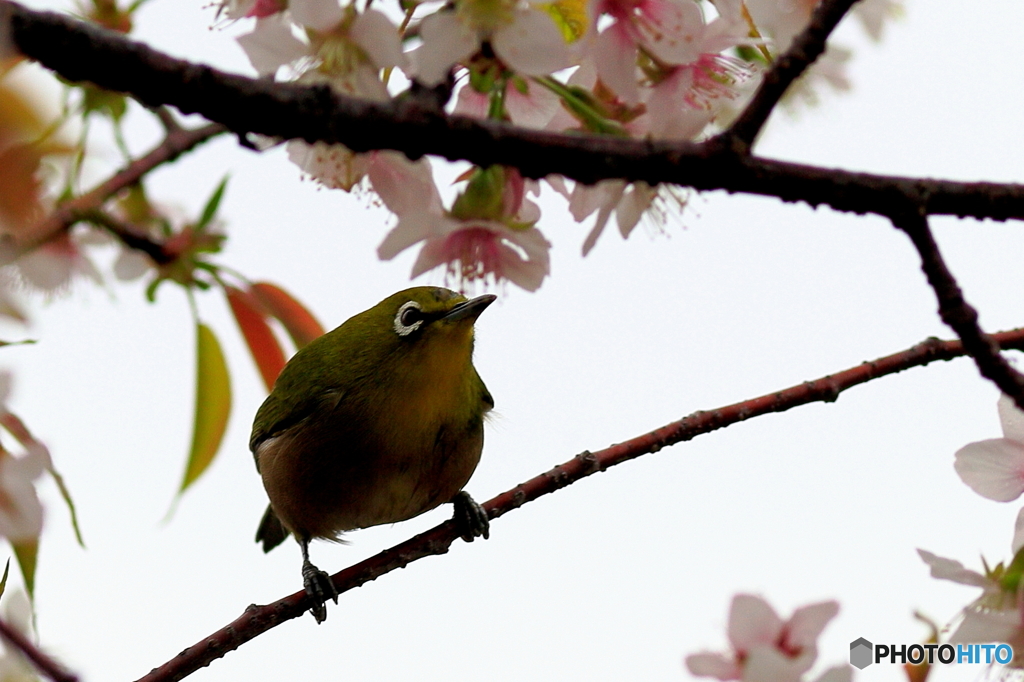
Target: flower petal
(271, 45)
(532, 109)
(446, 40)
(984, 625)
(752, 622)
(948, 569)
(320, 15)
(531, 44)
(375, 33)
(840, 673)
(404, 186)
(992, 468)
(1011, 418)
(411, 228)
(768, 664)
(713, 665)
(807, 623)
(615, 58)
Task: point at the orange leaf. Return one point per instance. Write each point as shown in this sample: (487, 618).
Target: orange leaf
(213, 404)
(263, 345)
(300, 324)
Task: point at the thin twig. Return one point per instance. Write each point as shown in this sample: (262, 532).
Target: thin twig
(258, 619)
(80, 52)
(956, 312)
(173, 145)
(46, 665)
(167, 119)
(131, 236)
(805, 49)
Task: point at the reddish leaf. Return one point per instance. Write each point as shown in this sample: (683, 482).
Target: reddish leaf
(300, 324)
(263, 345)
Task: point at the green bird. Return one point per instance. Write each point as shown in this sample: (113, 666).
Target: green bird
(375, 422)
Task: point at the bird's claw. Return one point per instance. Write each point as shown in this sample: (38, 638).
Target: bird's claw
(470, 517)
(320, 588)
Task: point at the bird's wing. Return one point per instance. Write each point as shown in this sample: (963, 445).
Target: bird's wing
(276, 415)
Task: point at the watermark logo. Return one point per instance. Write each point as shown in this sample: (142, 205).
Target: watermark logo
(863, 653)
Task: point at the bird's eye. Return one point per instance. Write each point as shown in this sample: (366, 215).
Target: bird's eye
(409, 318)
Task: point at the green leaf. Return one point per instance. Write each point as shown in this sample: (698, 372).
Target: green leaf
(210, 210)
(23, 342)
(26, 552)
(3, 581)
(66, 494)
(213, 404)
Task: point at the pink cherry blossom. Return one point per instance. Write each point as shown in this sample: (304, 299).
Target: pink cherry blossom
(52, 265)
(671, 32)
(998, 614)
(470, 248)
(994, 468)
(764, 647)
(524, 38)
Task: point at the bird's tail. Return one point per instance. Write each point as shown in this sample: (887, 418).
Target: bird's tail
(271, 531)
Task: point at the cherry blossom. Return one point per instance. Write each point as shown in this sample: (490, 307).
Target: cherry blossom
(487, 236)
(994, 468)
(666, 33)
(524, 38)
(52, 265)
(998, 614)
(764, 647)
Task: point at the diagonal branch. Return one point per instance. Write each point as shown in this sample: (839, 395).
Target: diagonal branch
(806, 47)
(437, 540)
(177, 141)
(956, 312)
(81, 52)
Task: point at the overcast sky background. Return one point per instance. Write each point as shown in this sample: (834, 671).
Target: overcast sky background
(619, 576)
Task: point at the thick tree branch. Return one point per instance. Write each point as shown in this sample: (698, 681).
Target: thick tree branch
(80, 52)
(806, 48)
(437, 540)
(956, 312)
(43, 663)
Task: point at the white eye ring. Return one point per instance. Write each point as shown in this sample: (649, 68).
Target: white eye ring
(407, 321)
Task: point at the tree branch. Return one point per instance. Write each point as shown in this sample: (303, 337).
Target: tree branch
(81, 52)
(176, 142)
(258, 619)
(956, 312)
(806, 48)
(130, 235)
(43, 663)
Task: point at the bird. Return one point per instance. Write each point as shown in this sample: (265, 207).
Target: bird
(375, 422)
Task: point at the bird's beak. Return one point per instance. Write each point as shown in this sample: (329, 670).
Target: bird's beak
(470, 309)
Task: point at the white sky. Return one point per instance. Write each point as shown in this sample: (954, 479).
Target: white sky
(621, 575)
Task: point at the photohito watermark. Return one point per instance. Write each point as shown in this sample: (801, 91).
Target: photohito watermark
(863, 653)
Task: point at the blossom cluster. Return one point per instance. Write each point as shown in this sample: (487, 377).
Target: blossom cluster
(993, 468)
(765, 648)
(646, 69)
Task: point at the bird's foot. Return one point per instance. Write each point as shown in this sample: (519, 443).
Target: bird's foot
(320, 588)
(470, 517)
